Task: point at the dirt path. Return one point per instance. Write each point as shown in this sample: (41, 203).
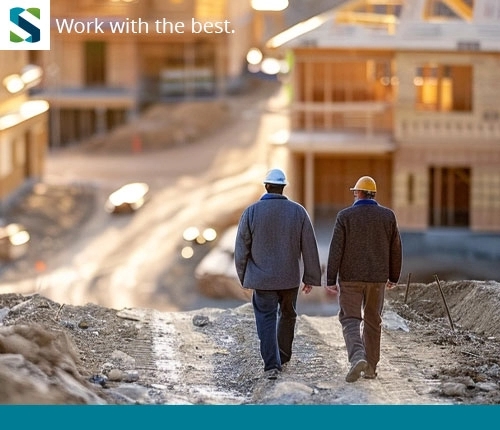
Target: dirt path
(211, 355)
(217, 362)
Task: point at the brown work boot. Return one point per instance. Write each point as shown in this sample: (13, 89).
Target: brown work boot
(370, 372)
(356, 369)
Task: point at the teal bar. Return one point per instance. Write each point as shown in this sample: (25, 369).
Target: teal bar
(252, 417)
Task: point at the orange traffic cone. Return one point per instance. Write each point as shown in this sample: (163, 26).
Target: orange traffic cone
(40, 266)
(136, 144)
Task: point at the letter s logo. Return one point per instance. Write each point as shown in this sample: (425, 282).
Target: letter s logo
(27, 20)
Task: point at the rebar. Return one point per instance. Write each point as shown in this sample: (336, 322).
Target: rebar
(444, 302)
(407, 286)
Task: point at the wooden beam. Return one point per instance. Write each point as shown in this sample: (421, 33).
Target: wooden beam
(352, 5)
(461, 8)
(367, 18)
(357, 4)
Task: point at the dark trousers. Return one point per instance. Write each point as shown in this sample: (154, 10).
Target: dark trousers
(361, 305)
(275, 316)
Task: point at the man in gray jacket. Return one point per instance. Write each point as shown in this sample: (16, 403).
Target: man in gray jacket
(365, 257)
(275, 251)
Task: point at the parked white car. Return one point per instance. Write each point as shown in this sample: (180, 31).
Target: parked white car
(128, 198)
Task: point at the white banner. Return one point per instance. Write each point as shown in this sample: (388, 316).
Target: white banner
(25, 25)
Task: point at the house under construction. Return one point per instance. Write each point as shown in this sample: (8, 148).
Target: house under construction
(407, 92)
(110, 59)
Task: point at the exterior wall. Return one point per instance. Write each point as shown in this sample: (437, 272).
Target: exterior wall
(485, 183)
(22, 150)
(446, 140)
(23, 132)
(69, 61)
(11, 62)
(486, 194)
(120, 72)
(482, 123)
(411, 211)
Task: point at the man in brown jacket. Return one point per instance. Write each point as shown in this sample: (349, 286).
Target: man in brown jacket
(365, 257)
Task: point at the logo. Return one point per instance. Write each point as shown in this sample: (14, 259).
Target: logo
(25, 25)
(23, 19)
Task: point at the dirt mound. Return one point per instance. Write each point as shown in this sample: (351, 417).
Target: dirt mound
(465, 328)
(163, 125)
(473, 305)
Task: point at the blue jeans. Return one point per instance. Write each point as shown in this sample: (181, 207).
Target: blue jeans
(275, 316)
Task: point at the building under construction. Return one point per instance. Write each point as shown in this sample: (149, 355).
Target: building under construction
(407, 92)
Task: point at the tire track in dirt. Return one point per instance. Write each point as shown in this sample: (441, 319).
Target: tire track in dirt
(211, 356)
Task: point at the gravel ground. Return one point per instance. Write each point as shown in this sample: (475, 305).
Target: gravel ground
(210, 356)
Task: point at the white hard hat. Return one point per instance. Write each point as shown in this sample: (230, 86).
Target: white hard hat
(276, 177)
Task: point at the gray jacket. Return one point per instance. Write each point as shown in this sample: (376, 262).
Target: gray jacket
(275, 244)
(366, 245)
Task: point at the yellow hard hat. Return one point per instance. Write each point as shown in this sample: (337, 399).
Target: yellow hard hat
(365, 183)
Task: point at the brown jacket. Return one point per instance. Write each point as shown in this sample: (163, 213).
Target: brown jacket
(366, 245)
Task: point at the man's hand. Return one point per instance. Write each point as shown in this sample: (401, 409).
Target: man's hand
(390, 285)
(306, 289)
(332, 289)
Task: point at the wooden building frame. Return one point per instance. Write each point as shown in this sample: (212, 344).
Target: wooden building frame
(405, 91)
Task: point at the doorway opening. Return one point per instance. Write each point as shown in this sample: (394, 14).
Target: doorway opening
(449, 196)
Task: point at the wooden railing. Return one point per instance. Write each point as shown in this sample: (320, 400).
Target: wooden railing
(362, 117)
(371, 118)
(445, 125)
